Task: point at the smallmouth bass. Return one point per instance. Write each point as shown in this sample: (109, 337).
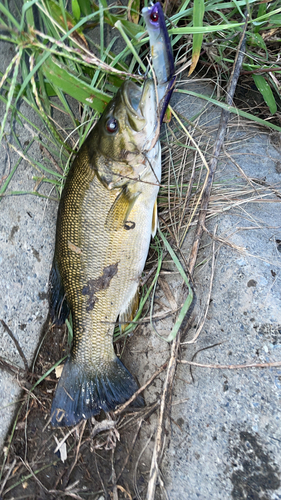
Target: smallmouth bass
(107, 215)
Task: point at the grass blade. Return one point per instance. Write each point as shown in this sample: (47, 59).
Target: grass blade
(232, 109)
(119, 26)
(133, 11)
(85, 6)
(76, 9)
(266, 92)
(11, 91)
(11, 18)
(9, 177)
(198, 14)
(189, 299)
(191, 30)
(59, 75)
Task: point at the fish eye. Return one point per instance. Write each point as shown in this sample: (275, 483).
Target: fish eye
(154, 16)
(111, 125)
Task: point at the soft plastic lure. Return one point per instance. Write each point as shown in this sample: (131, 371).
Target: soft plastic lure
(161, 53)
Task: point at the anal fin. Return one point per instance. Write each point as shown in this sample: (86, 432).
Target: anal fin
(129, 313)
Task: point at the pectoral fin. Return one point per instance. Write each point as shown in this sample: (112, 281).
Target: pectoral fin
(120, 210)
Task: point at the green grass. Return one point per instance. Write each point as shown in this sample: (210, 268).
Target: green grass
(59, 58)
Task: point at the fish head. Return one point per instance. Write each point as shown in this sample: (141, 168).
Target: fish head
(129, 123)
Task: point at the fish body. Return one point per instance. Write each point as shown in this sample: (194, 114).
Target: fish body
(106, 217)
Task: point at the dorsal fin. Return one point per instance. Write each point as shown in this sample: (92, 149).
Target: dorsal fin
(59, 309)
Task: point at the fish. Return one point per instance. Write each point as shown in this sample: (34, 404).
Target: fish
(106, 218)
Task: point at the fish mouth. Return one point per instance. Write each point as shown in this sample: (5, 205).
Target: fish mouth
(132, 96)
(140, 103)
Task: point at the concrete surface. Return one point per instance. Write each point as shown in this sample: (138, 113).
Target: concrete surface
(226, 438)
(225, 426)
(27, 229)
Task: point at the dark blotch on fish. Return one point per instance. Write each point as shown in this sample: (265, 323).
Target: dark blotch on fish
(102, 283)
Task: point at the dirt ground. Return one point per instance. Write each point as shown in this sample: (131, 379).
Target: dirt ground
(98, 464)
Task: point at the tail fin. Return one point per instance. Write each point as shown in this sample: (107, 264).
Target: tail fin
(81, 394)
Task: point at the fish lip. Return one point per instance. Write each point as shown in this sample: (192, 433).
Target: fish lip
(140, 105)
(131, 100)
(148, 91)
(140, 94)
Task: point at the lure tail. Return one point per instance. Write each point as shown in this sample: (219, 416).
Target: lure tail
(81, 394)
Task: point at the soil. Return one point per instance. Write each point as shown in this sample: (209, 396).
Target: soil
(99, 462)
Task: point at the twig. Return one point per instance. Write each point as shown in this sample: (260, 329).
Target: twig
(138, 415)
(136, 466)
(119, 487)
(154, 469)
(200, 350)
(66, 437)
(113, 477)
(240, 169)
(131, 450)
(51, 158)
(101, 481)
(20, 351)
(69, 471)
(144, 280)
(263, 183)
(26, 464)
(7, 475)
(209, 294)
(14, 370)
(168, 294)
(232, 367)
(225, 242)
(171, 370)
